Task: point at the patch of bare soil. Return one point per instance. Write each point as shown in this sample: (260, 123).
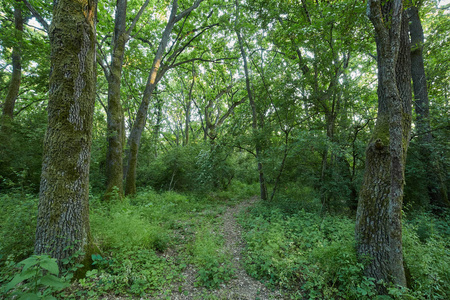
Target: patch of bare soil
(242, 286)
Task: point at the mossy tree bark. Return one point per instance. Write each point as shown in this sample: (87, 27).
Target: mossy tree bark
(434, 179)
(16, 77)
(63, 213)
(378, 220)
(115, 115)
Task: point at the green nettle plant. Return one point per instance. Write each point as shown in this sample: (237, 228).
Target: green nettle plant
(38, 279)
(213, 273)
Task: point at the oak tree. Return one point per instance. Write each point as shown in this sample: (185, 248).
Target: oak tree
(378, 221)
(63, 213)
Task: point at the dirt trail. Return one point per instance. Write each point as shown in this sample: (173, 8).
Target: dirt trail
(240, 287)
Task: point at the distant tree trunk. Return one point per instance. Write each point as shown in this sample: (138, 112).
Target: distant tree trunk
(187, 121)
(141, 117)
(330, 122)
(262, 183)
(378, 221)
(115, 116)
(13, 89)
(157, 128)
(154, 76)
(436, 186)
(63, 214)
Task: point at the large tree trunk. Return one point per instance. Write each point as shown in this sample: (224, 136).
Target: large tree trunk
(115, 116)
(436, 186)
(13, 89)
(378, 222)
(63, 215)
(262, 182)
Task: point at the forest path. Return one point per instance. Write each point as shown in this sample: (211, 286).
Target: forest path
(242, 286)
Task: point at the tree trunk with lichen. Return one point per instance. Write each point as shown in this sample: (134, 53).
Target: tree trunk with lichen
(14, 85)
(13, 90)
(115, 115)
(63, 213)
(378, 221)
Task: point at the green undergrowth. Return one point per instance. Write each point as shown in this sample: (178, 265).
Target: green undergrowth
(18, 213)
(214, 265)
(313, 257)
(136, 233)
(304, 254)
(146, 242)
(149, 240)
(426, 244)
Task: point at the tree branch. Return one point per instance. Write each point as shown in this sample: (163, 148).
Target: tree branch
(35, 14)
(175, 55)
(200, 59)
(187, 11)
(136, 18)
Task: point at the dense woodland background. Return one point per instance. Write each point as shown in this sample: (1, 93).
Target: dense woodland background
(202, 104)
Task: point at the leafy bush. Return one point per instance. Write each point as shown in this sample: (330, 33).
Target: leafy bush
(237, 191)
(21, 152)
(214, 169)
(293, 198)
(173, 170)
(136, 272)
(428, 258)
(245, 168)
(17, 225)
(305, 253)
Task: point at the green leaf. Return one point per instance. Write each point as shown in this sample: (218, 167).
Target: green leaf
(50, 265)
(29, 296)
(29, 262)
(96, 257)
(19, 278)
(53, 281)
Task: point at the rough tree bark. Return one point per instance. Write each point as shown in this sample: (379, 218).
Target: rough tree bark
(16, 77)
(63, 214)
(378, 221)
(258, 148)
(436, 187)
